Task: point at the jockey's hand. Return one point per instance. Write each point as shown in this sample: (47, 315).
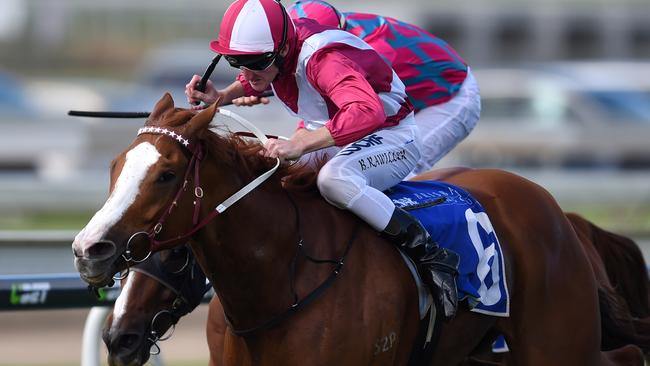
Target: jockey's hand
(250, 101)
(283, 149)
(208, 97)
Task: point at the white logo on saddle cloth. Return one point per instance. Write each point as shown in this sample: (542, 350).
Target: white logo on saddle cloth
(488, 295)
(404, 202)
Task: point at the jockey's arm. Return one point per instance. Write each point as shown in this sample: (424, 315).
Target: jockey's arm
(312, 140)
(301, 142)
(360, 111)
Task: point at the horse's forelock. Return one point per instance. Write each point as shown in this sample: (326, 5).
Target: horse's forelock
(179, 117)
(175, 117)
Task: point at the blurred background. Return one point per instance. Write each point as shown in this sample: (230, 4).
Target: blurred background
(565, 89)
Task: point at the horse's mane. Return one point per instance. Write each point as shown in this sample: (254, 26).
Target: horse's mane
(244, 155)
(173, 117)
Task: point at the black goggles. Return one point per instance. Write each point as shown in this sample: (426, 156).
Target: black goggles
(252, 62)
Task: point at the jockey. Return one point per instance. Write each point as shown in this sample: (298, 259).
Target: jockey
(438, 82)
(347, 97)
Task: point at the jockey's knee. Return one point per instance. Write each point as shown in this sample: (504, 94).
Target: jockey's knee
(337, 189)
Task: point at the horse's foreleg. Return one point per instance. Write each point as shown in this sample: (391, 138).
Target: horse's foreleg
(215, 331)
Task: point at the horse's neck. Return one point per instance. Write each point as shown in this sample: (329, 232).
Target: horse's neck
(247, 251)
(256, 243)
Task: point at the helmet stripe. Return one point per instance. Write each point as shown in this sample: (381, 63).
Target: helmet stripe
(251, 31)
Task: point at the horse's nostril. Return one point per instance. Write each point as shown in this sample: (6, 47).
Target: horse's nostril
(75, 253)
(101, 249)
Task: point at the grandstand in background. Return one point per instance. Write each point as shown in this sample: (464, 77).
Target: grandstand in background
(489, 34)
(68, 33)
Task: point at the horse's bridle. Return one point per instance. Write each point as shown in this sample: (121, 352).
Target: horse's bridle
(196, 148)
(188, 283)
(154, 245)
(194, 164)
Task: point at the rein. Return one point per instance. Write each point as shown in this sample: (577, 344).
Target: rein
(299, 304)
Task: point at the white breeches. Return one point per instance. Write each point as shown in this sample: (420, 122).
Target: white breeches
(356, 175)
(444, 126)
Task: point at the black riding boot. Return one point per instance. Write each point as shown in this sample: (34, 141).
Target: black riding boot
(437, 266)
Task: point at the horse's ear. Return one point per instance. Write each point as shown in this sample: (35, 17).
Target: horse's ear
(201, 121)
(165, 104)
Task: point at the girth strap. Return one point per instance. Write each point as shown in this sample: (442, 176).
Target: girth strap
(302, 303)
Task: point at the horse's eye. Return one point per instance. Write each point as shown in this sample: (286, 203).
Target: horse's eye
(166, 177)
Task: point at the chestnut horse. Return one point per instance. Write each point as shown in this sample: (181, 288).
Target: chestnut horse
(357, 306)
(146, 293)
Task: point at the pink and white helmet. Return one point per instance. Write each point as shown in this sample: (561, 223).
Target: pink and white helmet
(251, 27)
(320, 11)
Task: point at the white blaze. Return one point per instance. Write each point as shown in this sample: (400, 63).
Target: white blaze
(120, 304)
(138, 161)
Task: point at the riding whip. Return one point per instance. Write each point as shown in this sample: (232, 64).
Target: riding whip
(200, 87)
(107, 114)
(206, 75)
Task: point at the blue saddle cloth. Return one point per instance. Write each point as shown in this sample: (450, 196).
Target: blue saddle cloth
(457, 221)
